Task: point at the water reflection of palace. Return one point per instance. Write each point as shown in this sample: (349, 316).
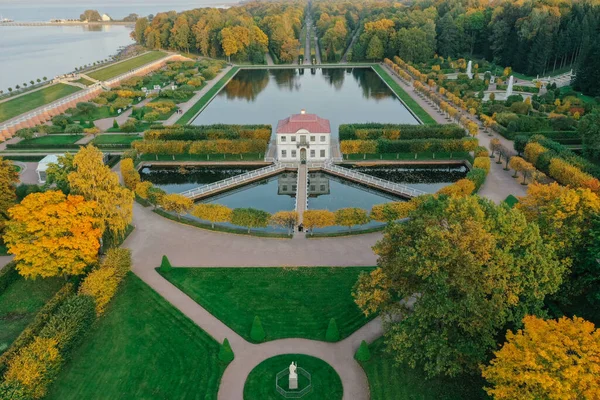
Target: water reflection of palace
(318, 184)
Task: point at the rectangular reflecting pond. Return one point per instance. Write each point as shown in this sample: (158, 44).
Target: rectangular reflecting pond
(278, 193)
(342, 95)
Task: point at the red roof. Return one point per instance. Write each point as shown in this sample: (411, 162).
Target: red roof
(311, 122)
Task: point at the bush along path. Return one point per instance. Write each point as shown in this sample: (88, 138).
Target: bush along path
(498, 183)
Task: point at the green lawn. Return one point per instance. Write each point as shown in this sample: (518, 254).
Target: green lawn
(582, 97)
(390, 381)
(511, 200)
(191, 113)
(405, 97)
(3, 250)
(99, 112)
(19, 304)
(115, 139)
(30, 101)
(117, 69)
(84, 81)
(142, 348)
(52, 140)
(326, 383)
(291, 302)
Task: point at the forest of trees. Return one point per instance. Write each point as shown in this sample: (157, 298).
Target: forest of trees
(246, 32)
(532, 37)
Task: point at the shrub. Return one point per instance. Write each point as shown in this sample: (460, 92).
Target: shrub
(483, 163)
(520, 142)
(35, 367)
(332, 334)
(373, 131)
(257, 333)
(389, 212)
(101, 285)
(481, 151)
(225, 352)
(130, 126)
(119, 259)
(165, 264)
(8, 275)
(363, 353)
(115, 124)
(477, 176)
(131, 177)
(461, 188)
(70, 321)
(33, 329)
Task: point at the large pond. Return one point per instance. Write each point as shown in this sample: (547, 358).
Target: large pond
(325, 191)
(341, 95)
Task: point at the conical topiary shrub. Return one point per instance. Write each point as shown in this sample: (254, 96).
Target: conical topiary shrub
(257, 333)
(165, 265)
(363, 353)
(115, 124)
(333, 334)
(225, 352)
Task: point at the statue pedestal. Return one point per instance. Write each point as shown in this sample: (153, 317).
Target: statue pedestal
(293, 383)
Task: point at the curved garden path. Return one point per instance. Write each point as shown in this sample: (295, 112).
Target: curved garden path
(189, 246)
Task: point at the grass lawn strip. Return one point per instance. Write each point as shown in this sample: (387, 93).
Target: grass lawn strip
(191, 113)
(291, 302)
(391, 381)
(142, 348)
(41, 141)
(33, 100)
(20, 302)
(116, 139)
(326, 383)
(406, 98)
(117, 69)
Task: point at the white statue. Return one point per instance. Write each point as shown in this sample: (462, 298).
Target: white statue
(469, 69)
(509, 89)
(293, 374)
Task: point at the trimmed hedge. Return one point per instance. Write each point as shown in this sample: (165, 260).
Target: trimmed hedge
(564, 137)
(477, 176)
(373, 131)
(8, 275)
(566, 154)
(426, 145)
(209, 132)
(32, 330)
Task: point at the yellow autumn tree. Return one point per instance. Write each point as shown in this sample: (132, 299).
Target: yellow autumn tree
(351, 216)
(101, 284)
(318, 219)
(131, 177)
(212, 213)
(96, 182)
(142, 189)
(483, 163)
(547, 359)
(176, 203)
(8, 182)
(52, 234)
(461, 188)
(388, 212)
(285, 219)
(35, 366)
(371, 291)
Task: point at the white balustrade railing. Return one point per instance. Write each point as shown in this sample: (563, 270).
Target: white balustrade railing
(373, 181)
(233, 181)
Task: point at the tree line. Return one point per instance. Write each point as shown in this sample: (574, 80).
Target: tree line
(244, 32)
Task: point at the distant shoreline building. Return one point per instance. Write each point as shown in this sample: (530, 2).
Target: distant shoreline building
(303, 137)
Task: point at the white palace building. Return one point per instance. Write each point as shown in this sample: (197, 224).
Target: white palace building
(303, 138)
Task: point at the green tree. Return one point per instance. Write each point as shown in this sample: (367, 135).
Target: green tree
(8, 185)
(461, 253)
(257, 333)
(363, 353)
(91, 16)
(165, 264)
(375, 49)
(115, 124)
(250, 218)
(333, 333)
(225, 352)
(589, 130)
(350, 217)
